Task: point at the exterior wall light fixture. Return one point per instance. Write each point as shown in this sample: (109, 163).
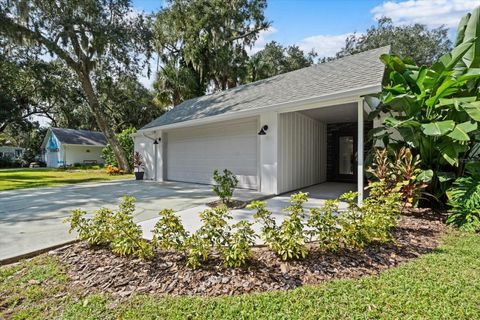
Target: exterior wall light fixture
(263, 131)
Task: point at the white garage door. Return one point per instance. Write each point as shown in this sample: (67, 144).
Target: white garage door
(194, 153)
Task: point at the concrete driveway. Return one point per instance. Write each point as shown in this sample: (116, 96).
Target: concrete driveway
(32, 219)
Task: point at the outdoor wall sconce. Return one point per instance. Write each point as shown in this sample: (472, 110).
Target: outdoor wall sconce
(263, 131)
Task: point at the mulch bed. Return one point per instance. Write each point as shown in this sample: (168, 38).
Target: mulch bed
(96, 270)
(232, 204)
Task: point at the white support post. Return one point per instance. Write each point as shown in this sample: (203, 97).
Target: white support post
(160, 157)
(155, 163)
(360, 148)
(268, 153)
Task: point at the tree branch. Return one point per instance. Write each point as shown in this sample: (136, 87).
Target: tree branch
(248, 33)
(12, 29)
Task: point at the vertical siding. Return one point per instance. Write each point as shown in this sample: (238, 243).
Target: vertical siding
(145, 147)
(302, 152)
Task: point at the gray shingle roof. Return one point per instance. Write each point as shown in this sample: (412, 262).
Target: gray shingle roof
(348, 73)
(80, 137)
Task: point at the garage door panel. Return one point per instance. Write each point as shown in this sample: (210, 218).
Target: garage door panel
(194, 153)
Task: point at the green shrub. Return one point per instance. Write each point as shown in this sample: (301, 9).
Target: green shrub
(127, 238)
(196, 250)
(8, 162)
(224, 185)
(269, 231)
(169, 233)
(324, 225)
(215, 233)
(352, 222)
(373, 221)
(239, 245)
(80, 224)
(115, 229)
(95, 231)
(287, 240)
(215, 228)
(126, 142)
(464, 200)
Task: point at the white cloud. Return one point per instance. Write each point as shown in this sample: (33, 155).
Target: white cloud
(432, 13)
(324, 45)
(263, 39)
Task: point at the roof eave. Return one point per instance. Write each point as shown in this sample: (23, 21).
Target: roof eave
(279, 107)
(84, 145)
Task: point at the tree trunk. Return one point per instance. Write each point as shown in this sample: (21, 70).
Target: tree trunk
(104, 126)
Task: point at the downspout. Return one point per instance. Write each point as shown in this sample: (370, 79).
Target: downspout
(155, 146)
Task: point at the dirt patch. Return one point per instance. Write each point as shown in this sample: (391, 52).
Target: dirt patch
(232, 204)
(97, 270)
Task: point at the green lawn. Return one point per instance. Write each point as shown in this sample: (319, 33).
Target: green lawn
(30, 178)
(444, 284)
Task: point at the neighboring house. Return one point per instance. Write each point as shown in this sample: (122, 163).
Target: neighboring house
(11, 152)
(66, 147)
(279, 134)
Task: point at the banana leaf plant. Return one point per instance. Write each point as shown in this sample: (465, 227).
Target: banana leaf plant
(434, 110)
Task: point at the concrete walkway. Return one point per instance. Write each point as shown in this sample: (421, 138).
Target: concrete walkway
(32, 219)
(317, 196)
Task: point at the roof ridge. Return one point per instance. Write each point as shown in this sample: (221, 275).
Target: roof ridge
(95, 131)
(315, 65)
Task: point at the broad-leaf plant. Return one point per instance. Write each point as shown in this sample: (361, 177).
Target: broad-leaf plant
(434, 110)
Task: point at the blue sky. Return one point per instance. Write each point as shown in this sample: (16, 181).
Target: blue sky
(323, 24)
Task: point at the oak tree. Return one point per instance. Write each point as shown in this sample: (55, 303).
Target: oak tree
(92, 37)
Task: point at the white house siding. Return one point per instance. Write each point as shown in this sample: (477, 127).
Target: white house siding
(80, 154)
(53, 159)
(301, 151)
(11, 152)
(192, 154)
(146, 148)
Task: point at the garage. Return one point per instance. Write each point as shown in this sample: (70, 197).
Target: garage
(192, 154)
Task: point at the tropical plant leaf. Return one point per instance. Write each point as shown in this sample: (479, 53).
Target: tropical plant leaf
(438, 128)
(473, 109)
(473, 168)
(465, 192)
(449, 101)
(393, 122)
(406, 103)
(458, 52)
(462, 25)
(425, 176)
(470, 74)
(460, 132)
(445, 176)
(450, 151)
(472, 33)
(448, 87)
(374, 114)
(373, 101)
(373, 132)
(421, 76)
(393, 62)
(410, 136)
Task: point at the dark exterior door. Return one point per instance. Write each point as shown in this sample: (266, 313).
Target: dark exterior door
(344, 158)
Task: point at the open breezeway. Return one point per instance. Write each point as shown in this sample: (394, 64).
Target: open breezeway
(32, 219)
